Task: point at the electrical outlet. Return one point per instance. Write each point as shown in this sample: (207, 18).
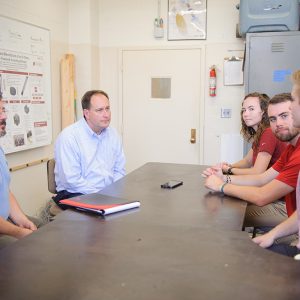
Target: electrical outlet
(225, 112)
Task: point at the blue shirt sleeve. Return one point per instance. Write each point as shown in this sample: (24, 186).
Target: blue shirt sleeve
(119, 168)
(4, 187)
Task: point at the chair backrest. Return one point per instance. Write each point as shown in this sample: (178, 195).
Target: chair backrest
(50, 176)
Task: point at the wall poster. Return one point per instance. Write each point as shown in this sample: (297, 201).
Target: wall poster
(25, 85)
(187, 20)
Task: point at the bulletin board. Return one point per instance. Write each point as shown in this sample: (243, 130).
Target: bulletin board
(25, 85)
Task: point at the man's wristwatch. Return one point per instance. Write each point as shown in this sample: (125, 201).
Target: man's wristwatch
(229, 172)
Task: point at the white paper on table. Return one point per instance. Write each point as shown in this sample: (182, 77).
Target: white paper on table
(122, 207)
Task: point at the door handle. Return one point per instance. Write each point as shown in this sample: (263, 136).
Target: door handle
(193, 136)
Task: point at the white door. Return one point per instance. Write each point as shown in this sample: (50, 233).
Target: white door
(159, 129)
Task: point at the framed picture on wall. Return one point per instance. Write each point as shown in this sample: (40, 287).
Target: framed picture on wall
(186, 20)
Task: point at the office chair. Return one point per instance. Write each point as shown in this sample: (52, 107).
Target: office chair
(54, 209)
(50, 176)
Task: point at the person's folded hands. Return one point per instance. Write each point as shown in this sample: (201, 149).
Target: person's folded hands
(214, 183)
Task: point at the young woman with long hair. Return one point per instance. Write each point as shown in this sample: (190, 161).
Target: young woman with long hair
(266, 148)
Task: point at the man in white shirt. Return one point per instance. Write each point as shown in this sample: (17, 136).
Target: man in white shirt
(292, 224)
(89, 154)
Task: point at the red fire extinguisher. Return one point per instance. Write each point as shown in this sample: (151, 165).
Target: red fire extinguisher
(212, 81)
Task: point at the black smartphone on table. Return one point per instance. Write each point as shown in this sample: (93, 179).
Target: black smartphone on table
(172, 184)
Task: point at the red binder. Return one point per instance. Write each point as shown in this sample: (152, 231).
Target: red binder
(100, 204)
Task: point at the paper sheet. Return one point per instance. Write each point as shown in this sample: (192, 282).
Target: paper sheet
(233, 72)
(231, 147)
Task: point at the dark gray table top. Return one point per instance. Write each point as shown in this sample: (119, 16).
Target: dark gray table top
(185, 243)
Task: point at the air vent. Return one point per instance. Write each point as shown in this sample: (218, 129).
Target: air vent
(277, 47)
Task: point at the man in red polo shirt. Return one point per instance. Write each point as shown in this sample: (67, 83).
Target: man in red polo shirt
(292, 224)
(278, 181)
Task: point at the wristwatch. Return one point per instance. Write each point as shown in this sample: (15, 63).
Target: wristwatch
(229, 172)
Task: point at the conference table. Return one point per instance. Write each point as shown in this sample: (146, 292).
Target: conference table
(182, 243)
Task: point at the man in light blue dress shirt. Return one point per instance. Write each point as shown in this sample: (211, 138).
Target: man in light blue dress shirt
(88, 154)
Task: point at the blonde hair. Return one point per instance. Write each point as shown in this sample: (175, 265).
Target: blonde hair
(296, 80)
(296, 77)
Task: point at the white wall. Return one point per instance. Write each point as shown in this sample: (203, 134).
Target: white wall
(83, 43)
(30, 184)
(129, 23)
